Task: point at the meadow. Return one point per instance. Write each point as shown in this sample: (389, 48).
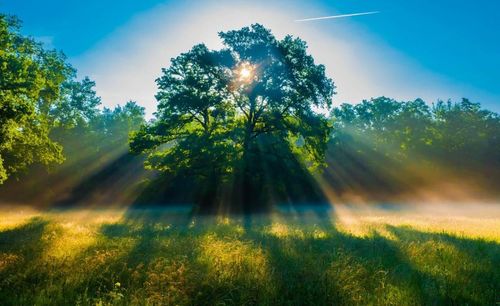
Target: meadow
(349, 255)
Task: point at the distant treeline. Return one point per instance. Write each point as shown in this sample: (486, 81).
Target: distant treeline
(386, 146)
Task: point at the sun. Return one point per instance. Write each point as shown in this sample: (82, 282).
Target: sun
(245, 72)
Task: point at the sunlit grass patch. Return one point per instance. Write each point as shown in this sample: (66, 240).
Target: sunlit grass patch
(11, 217)
(281, 230)
(230, 259)
(68, 239)
(167, 283)
(473, 221)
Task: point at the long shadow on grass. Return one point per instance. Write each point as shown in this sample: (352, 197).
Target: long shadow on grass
(20, 248)
(308, 262)
(147, 227)
(25, 239)
(469, 267)
(167, 262)
(145, 252)
(312, 267)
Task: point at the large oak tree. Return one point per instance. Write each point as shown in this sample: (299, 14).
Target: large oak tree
(224, 114)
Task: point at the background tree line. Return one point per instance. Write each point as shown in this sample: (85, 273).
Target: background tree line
(383, 146)
(53, 133)
(235, 125)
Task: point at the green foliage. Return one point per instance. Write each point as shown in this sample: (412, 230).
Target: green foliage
(403, 130)
(78, 123)
(225, 112)
(279, 98)
(30, 80)
(47, 115)
(92, 142)
(77, 105)
(119, 123)
(383, 125)
(464, 132)
(190, 132)
(389, 141)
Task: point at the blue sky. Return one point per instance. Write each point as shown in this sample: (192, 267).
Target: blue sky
(433, 49)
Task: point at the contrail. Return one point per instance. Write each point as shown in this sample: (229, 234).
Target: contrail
(337, 16)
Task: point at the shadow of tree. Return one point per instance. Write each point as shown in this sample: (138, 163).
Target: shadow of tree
(25, 239)
(160, 256)
(20, 250)
(461, 261)
(337, 268)
(314, 263)
(253, 187)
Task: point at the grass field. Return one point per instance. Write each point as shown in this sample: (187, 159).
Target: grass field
(387, 255)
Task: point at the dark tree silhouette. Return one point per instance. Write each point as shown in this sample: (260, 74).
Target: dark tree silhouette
(223, 115)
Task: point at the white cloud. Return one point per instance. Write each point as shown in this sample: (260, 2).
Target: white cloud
(126, 63)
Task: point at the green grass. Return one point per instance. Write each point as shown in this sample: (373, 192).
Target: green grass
(154, 257)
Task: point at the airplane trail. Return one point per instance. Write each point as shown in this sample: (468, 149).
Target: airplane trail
(337, 16)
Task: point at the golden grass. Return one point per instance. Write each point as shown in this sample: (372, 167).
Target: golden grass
(355, 255)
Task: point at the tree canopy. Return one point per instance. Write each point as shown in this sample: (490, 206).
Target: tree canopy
(30, 80)
(223, 112)
(77, 104)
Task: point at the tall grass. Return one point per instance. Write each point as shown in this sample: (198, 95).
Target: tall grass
(152, 257)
